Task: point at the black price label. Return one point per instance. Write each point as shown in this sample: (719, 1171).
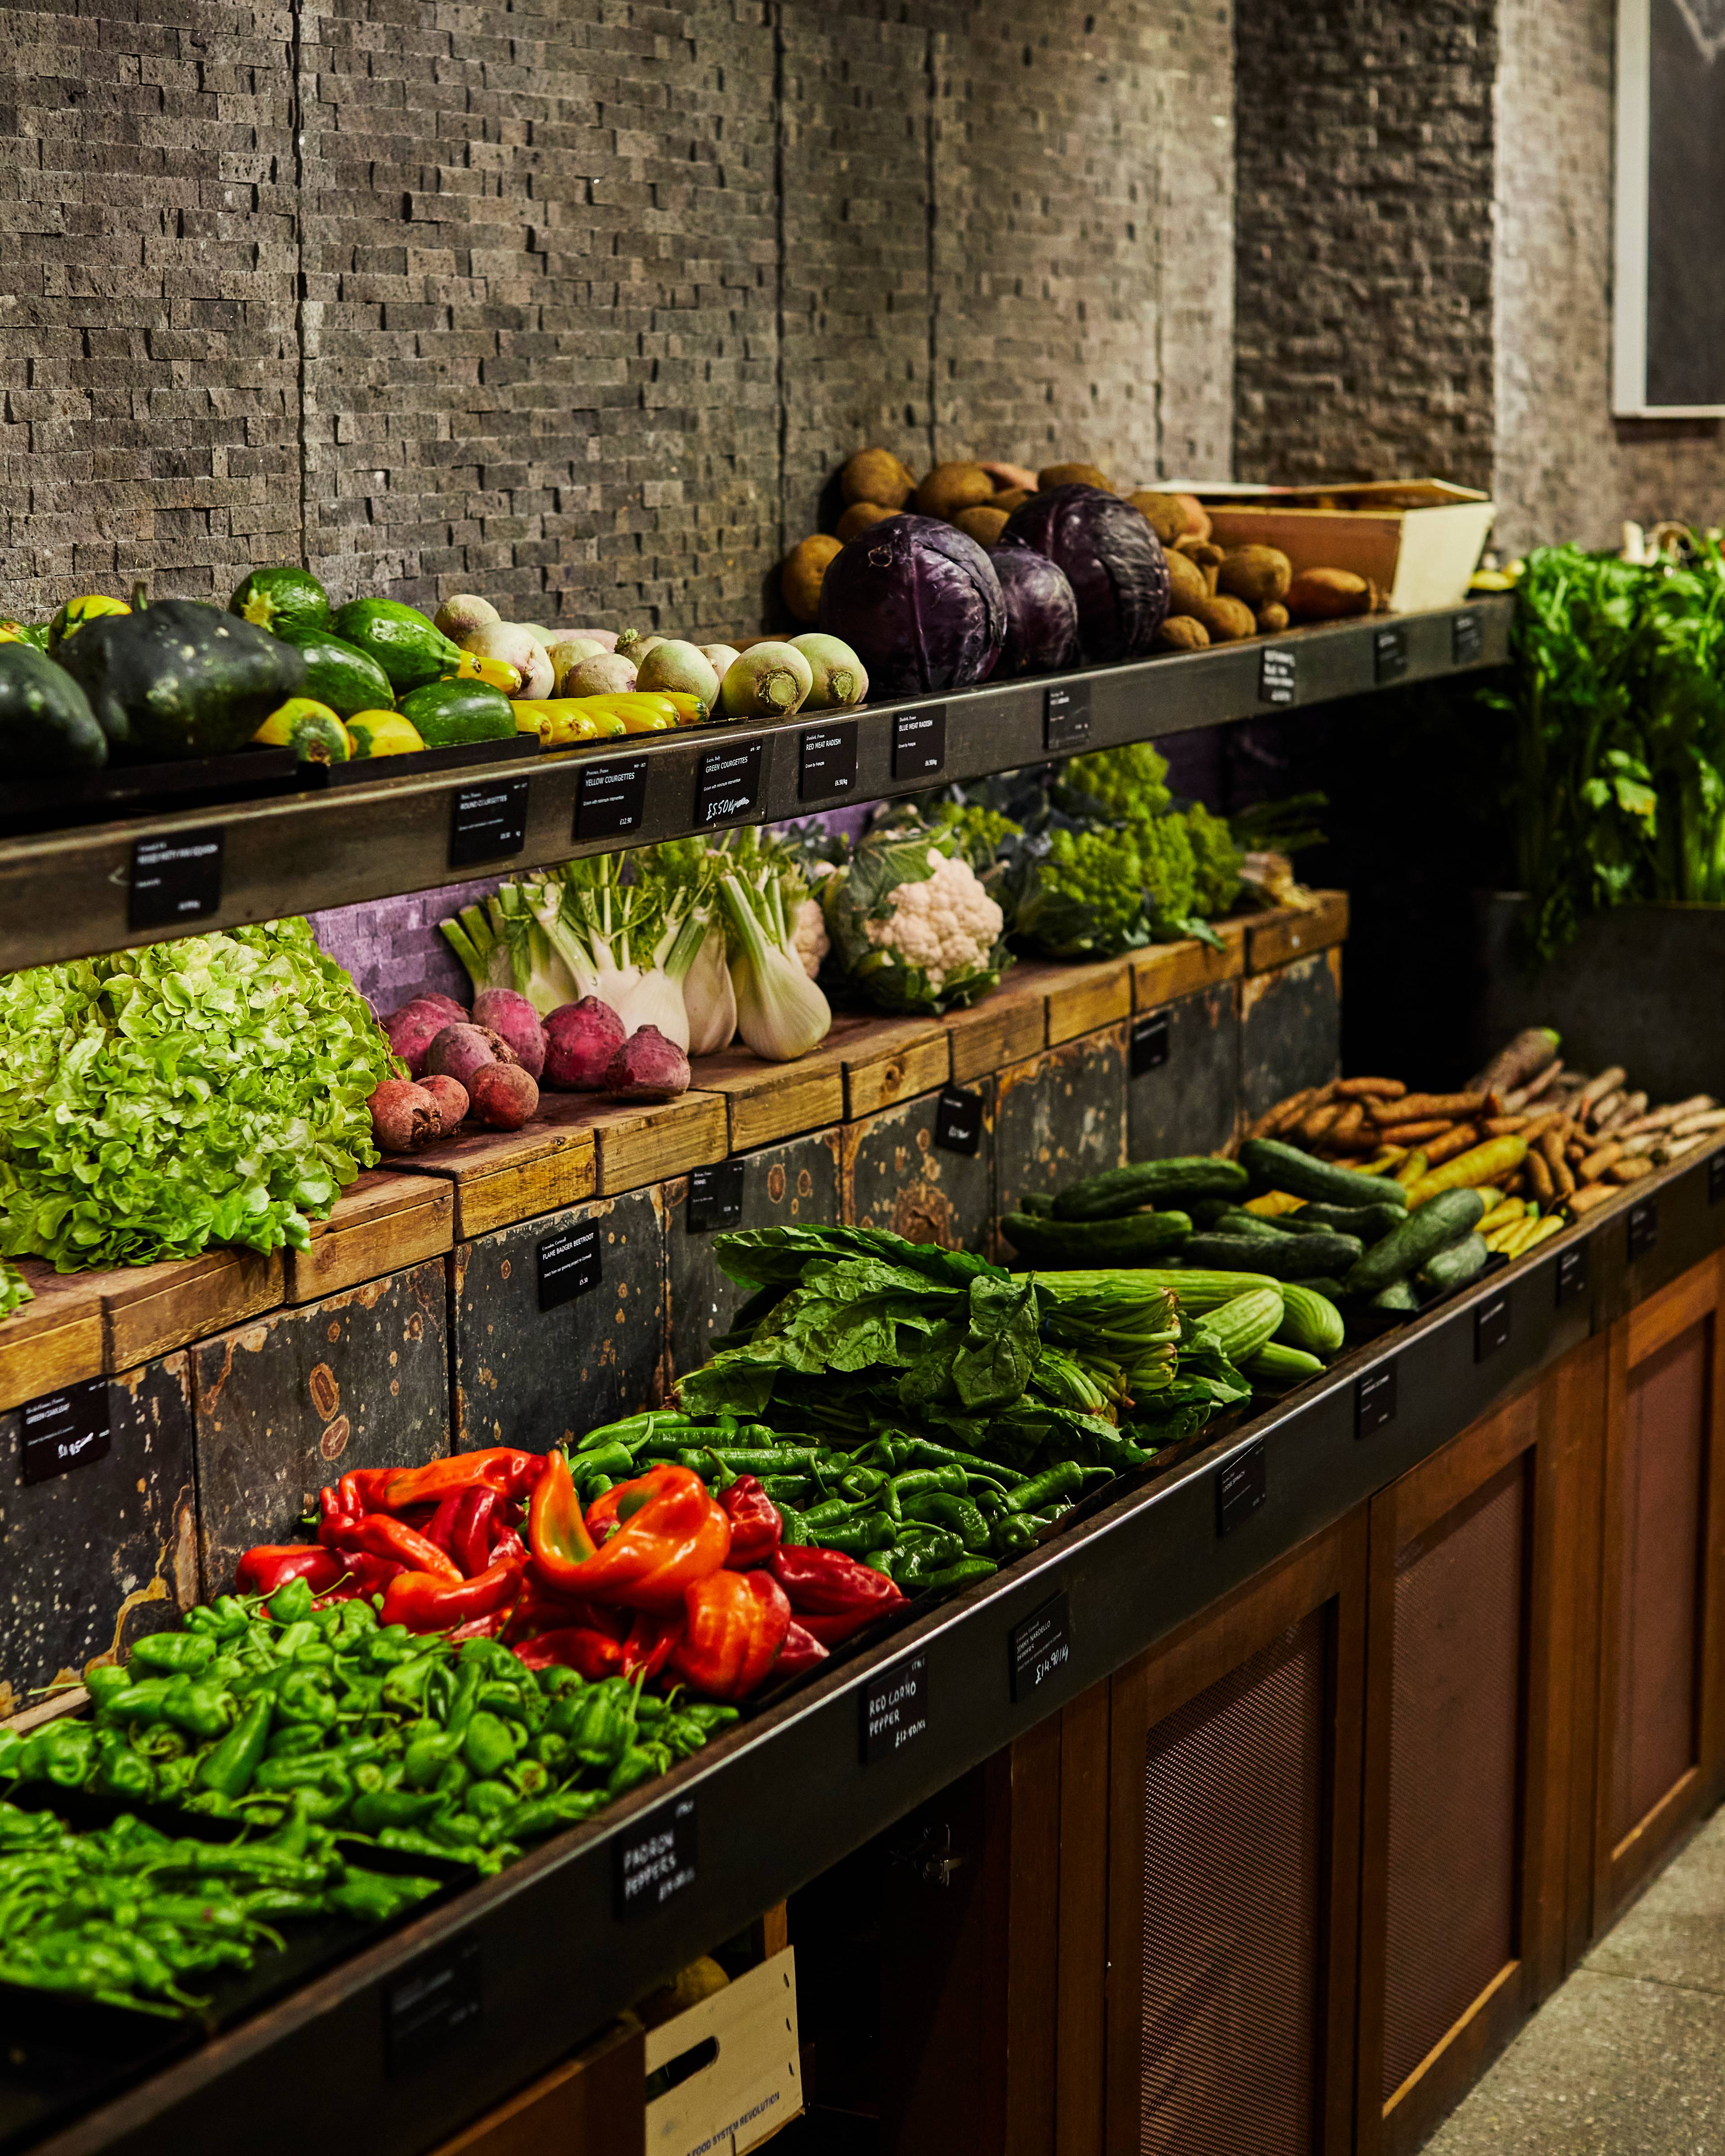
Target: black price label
(60, 1431)
(487, 823)
(1149, 1047)
(1467, 640)
(1715, 1177)
(895, 1709)
(613, 798)
(1242, 1484)
(727, 784)
(1065, 718)
(828, 761)
(1490, 1326)
(919, 743)
(174, 879)
(568, 1265)
(1389, 653)
(1278, 674)
(655, 1858)
(1572, 1273)
(715, 1198)
(1643, 1227)
(439, 2001)
(1040, 1647)
(958, 1120)
(1374, 1401)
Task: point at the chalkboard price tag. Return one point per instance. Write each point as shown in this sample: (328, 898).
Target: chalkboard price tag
(919, 743)
(439, 2001)
(1643, 1227)
(487, 823)
(1065, 718)
(828, 761)
(1149, 1048)
(568, 1265)
(1040, 1647)
(958, 1120)
(613, 799)
(1467, 640)
(174, 881)
(1389, 653)
(655, 1858)
(715, 1198)
(1278, 674)
(1490, 1326)
(895, 1709)
(727, 784)
(60, 1431)
(1572, 1273)
(1242, 1484)
(1374, 1401)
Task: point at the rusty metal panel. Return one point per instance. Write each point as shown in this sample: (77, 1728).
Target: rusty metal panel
(895, 1177)
(1188, 1104)
(92, 1560)
(1059, 1115)
(1290, 1030)
(532, 1377)
(796, 1182)
(291, 1401)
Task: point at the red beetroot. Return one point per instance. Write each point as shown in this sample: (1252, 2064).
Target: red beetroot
(502, 1011)
(580, 1040)
(460, 1051)
(503, 1096)
(412, 1029)
(405, 1116)
(451, 1100)
(647, 1067)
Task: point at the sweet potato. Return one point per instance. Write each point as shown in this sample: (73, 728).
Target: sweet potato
(1327, 595)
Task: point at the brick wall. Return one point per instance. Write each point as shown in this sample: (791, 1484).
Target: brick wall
(581, 305)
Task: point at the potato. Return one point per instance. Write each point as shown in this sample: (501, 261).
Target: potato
(1072, 475)
(1015, 497)
(859, 516)
(1207, 557)
(949, 488)
(1197, 518)
(1259, 575)
(800, 578)
(1272, 619)
(1182, 632)
(1187, 586)
(877, 475)
(1011, 479)
(1227, 620)
(1327, 595)
(1166, 512)
(984, 525)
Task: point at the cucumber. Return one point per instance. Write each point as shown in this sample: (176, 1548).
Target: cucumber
(1235, 1220)
(410, 649)
(1455, 1264)
(1367, 1222)
(1241, 1326)
(1273, 1166)
(1119, 1190)
(1039, 1201)
(281, 599)
(1398, 1295)
(1063, 1244)
(1428, 1229)
(1323, 1284)
(448, 713)
(340, 675)
(1275, 1367)
(1284, 1257)
(1309, 1320)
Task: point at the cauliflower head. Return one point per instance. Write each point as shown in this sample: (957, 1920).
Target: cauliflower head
(913, 927)
(808, 935)
(946, 924)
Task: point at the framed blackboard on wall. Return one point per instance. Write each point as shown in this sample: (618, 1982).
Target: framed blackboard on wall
(1669, 327)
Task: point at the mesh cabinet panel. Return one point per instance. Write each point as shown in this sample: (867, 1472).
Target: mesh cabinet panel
(1660, 1504)
(1451, 1878)
(1234, 1801)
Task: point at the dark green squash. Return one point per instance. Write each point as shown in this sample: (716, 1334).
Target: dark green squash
(46, 724)
(281, 599)
(340, 675)
(179, 679)
(446, 712)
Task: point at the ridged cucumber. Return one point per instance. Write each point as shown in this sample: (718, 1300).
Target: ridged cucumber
(1059, 1245)
(1240, 1328)
(1309, 1320)
(1455, 1264)
(1428, 1229)
(1276, 1367)
(1119, 1190)
(1273, 1166)
(1286, 1257)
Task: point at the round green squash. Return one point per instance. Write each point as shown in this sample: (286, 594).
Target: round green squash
(46, 724)
(281, 599)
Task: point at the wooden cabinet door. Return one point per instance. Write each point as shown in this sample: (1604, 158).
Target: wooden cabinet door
(1659, 1728)
(1232, 1849)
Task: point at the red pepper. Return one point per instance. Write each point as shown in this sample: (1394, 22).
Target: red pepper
(801, 1652)
(575, 1647)
(362, 1574)
(425, 1602)
(737, 1623)
(470, 1541)
(501, 1466)
(651, 1638)
(832, 1594)
(481, 1628)
(271, 1565)
(756, 1526)
(664, 1531)
(440, 1528)
(541, 1611)
(383, 1537)
(361, 1489)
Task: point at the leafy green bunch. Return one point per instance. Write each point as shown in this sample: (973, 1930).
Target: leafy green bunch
(153, 1101)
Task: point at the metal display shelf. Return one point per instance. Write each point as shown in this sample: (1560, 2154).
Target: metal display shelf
(532, 1962)
(65, 894)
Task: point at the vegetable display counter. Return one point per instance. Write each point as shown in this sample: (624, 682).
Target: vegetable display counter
(512, 1972)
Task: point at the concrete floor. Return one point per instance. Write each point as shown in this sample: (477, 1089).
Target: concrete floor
(1628, 2057)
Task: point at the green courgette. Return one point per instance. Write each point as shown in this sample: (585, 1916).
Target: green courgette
(1428, 1229)
(281, 599)
(447, 713)
(340, 675)
(1455, 1264)
(1273, 1166)
(1309, 1320)
(1286, 1257)
(1119, 1190)
(410, 649)
(1367, 1222)
(1060, 1245)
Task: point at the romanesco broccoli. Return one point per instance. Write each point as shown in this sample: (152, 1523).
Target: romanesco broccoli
(1130, 781)
(1217, 859)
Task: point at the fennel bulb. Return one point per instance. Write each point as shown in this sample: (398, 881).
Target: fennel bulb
(781, 1013)
(709, 997)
